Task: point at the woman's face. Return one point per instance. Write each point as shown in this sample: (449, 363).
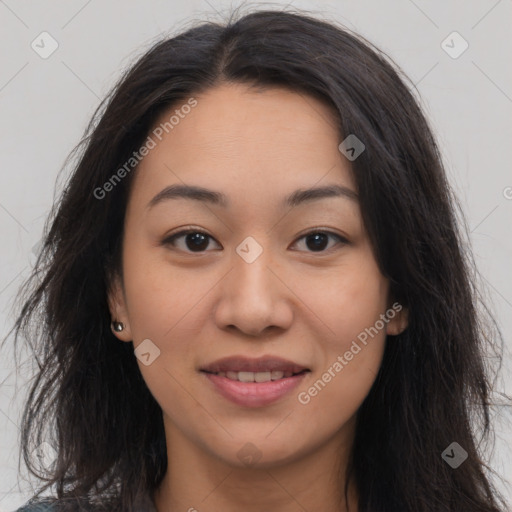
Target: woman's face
(280, 285)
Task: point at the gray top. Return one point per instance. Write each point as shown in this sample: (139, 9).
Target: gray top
(35, 508)
(145, 504)
(43, 507)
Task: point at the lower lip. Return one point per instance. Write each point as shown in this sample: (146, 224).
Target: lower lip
(254, 394)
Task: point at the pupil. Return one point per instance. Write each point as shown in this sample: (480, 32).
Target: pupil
(199, 241)
(320, 240)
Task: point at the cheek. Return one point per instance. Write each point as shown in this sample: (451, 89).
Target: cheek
(350, 301)
(351, 362)
(334, 397)
(166, 306)
(160, 296)
(351, 307)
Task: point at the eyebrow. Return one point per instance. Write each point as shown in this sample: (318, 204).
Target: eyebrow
(218, 198)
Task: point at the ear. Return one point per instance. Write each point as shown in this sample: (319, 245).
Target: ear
(398, 319)
(118, 311)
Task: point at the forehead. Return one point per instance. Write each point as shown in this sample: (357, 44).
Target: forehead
(248, 141)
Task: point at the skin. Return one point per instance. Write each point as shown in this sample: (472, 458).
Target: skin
(294, 302)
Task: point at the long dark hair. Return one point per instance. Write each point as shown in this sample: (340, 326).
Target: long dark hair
(89, 399)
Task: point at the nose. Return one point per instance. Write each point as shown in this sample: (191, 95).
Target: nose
(253, 298)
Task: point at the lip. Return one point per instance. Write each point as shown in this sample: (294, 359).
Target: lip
(246, 364)
(254, 394)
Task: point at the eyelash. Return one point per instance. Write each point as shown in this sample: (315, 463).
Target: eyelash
(171, 239)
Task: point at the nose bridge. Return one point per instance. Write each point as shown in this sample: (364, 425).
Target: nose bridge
(251, 297)
(251, 273)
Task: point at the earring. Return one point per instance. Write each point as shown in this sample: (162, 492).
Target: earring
(117, 326)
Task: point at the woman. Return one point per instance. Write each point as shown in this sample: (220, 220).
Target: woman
(253, 290)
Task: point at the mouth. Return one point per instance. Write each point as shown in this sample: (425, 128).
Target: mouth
(267, 376)
(262, 369)
(254, 382)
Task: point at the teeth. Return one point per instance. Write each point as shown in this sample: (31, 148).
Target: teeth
(256, 376)
(247, 376)
(262, 377)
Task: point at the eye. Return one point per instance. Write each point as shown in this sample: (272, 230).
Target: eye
(198, 241)
(316, 241)
(195, 240)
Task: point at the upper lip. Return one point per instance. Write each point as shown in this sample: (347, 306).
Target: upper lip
(246, 364)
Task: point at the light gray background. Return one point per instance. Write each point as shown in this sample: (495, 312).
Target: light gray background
(45, 104)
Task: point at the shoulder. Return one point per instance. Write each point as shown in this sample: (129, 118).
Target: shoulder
(51, 505)
(37, 507)
(143, 503)
(59, 506)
